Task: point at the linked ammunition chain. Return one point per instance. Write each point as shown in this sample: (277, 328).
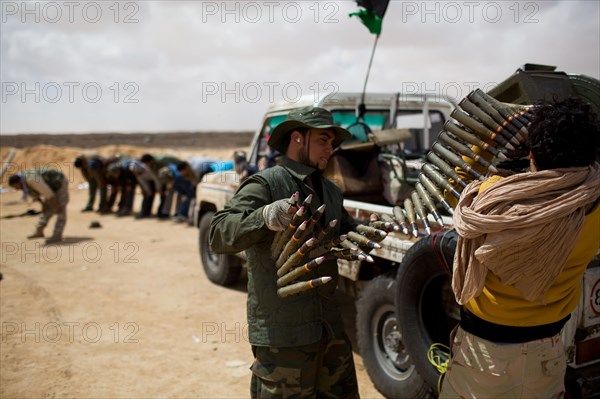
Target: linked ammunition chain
(300, 249)
(480, 135)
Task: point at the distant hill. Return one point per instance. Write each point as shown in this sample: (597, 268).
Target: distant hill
(165, 140)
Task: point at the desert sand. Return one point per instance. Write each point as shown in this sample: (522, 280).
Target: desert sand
(120, 311)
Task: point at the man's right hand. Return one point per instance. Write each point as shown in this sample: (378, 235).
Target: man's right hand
(279, 214)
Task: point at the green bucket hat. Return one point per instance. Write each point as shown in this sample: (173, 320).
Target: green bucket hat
(307, 117)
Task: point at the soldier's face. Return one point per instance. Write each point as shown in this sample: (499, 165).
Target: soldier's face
(319, 148)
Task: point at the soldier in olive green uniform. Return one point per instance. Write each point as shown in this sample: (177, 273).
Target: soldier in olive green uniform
(299, 343)
(94, 170)
(50, 187)
(81, 163)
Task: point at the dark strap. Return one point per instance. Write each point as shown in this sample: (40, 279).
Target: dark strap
(507, 334)
(317, 184)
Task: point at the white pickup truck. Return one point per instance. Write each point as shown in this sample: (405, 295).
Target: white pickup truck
(404, 300)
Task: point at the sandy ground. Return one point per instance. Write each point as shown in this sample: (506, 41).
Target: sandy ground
(121, 311)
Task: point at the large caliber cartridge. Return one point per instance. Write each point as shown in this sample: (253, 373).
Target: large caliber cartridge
(302, 286)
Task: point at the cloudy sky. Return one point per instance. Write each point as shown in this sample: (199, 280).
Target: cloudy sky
(155, 66)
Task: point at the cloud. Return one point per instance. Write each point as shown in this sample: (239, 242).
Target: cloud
(192, 65)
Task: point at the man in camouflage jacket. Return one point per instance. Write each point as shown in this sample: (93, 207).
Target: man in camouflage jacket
(50, 187)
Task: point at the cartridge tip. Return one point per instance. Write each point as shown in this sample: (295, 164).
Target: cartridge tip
(502, 156)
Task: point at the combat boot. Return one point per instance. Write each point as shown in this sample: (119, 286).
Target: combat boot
(39, 233)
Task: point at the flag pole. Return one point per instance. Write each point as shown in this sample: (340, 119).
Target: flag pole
(369, 69)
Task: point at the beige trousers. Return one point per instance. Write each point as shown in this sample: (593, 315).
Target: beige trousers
(484, 369)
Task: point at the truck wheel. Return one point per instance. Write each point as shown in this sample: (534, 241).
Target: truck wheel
(219, 268)
(381, 345)
(425, 301)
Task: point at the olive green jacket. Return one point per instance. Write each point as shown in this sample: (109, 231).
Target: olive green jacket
(274, 321)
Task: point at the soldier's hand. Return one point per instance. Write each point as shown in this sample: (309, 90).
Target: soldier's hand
(383, 222)
(279, 214)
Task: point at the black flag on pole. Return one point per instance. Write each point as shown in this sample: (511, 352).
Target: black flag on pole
(371, 14)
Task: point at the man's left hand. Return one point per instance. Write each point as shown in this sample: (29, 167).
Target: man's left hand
(279, 214)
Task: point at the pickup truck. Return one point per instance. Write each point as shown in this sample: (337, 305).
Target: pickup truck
(353, 167)
(404, 301)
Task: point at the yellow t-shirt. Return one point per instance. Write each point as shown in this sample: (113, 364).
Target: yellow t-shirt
(503, 304)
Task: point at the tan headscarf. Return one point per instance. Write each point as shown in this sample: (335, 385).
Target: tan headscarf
(522, 228)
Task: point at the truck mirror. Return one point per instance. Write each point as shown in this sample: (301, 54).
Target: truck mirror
(240, 161)
(239, 157)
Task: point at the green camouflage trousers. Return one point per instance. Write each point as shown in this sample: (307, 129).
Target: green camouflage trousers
(62, 196)
(324, 369)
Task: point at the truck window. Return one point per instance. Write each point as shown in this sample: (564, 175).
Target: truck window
(375, 120)
(266, 157)
(414, 120)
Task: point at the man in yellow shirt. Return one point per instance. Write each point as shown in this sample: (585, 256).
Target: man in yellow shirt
(524, 243)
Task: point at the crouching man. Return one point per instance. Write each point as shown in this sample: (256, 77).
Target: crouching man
(50, 188)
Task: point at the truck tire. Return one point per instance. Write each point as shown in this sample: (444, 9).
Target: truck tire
(381, 345)
(424, 300)
(221, 269)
